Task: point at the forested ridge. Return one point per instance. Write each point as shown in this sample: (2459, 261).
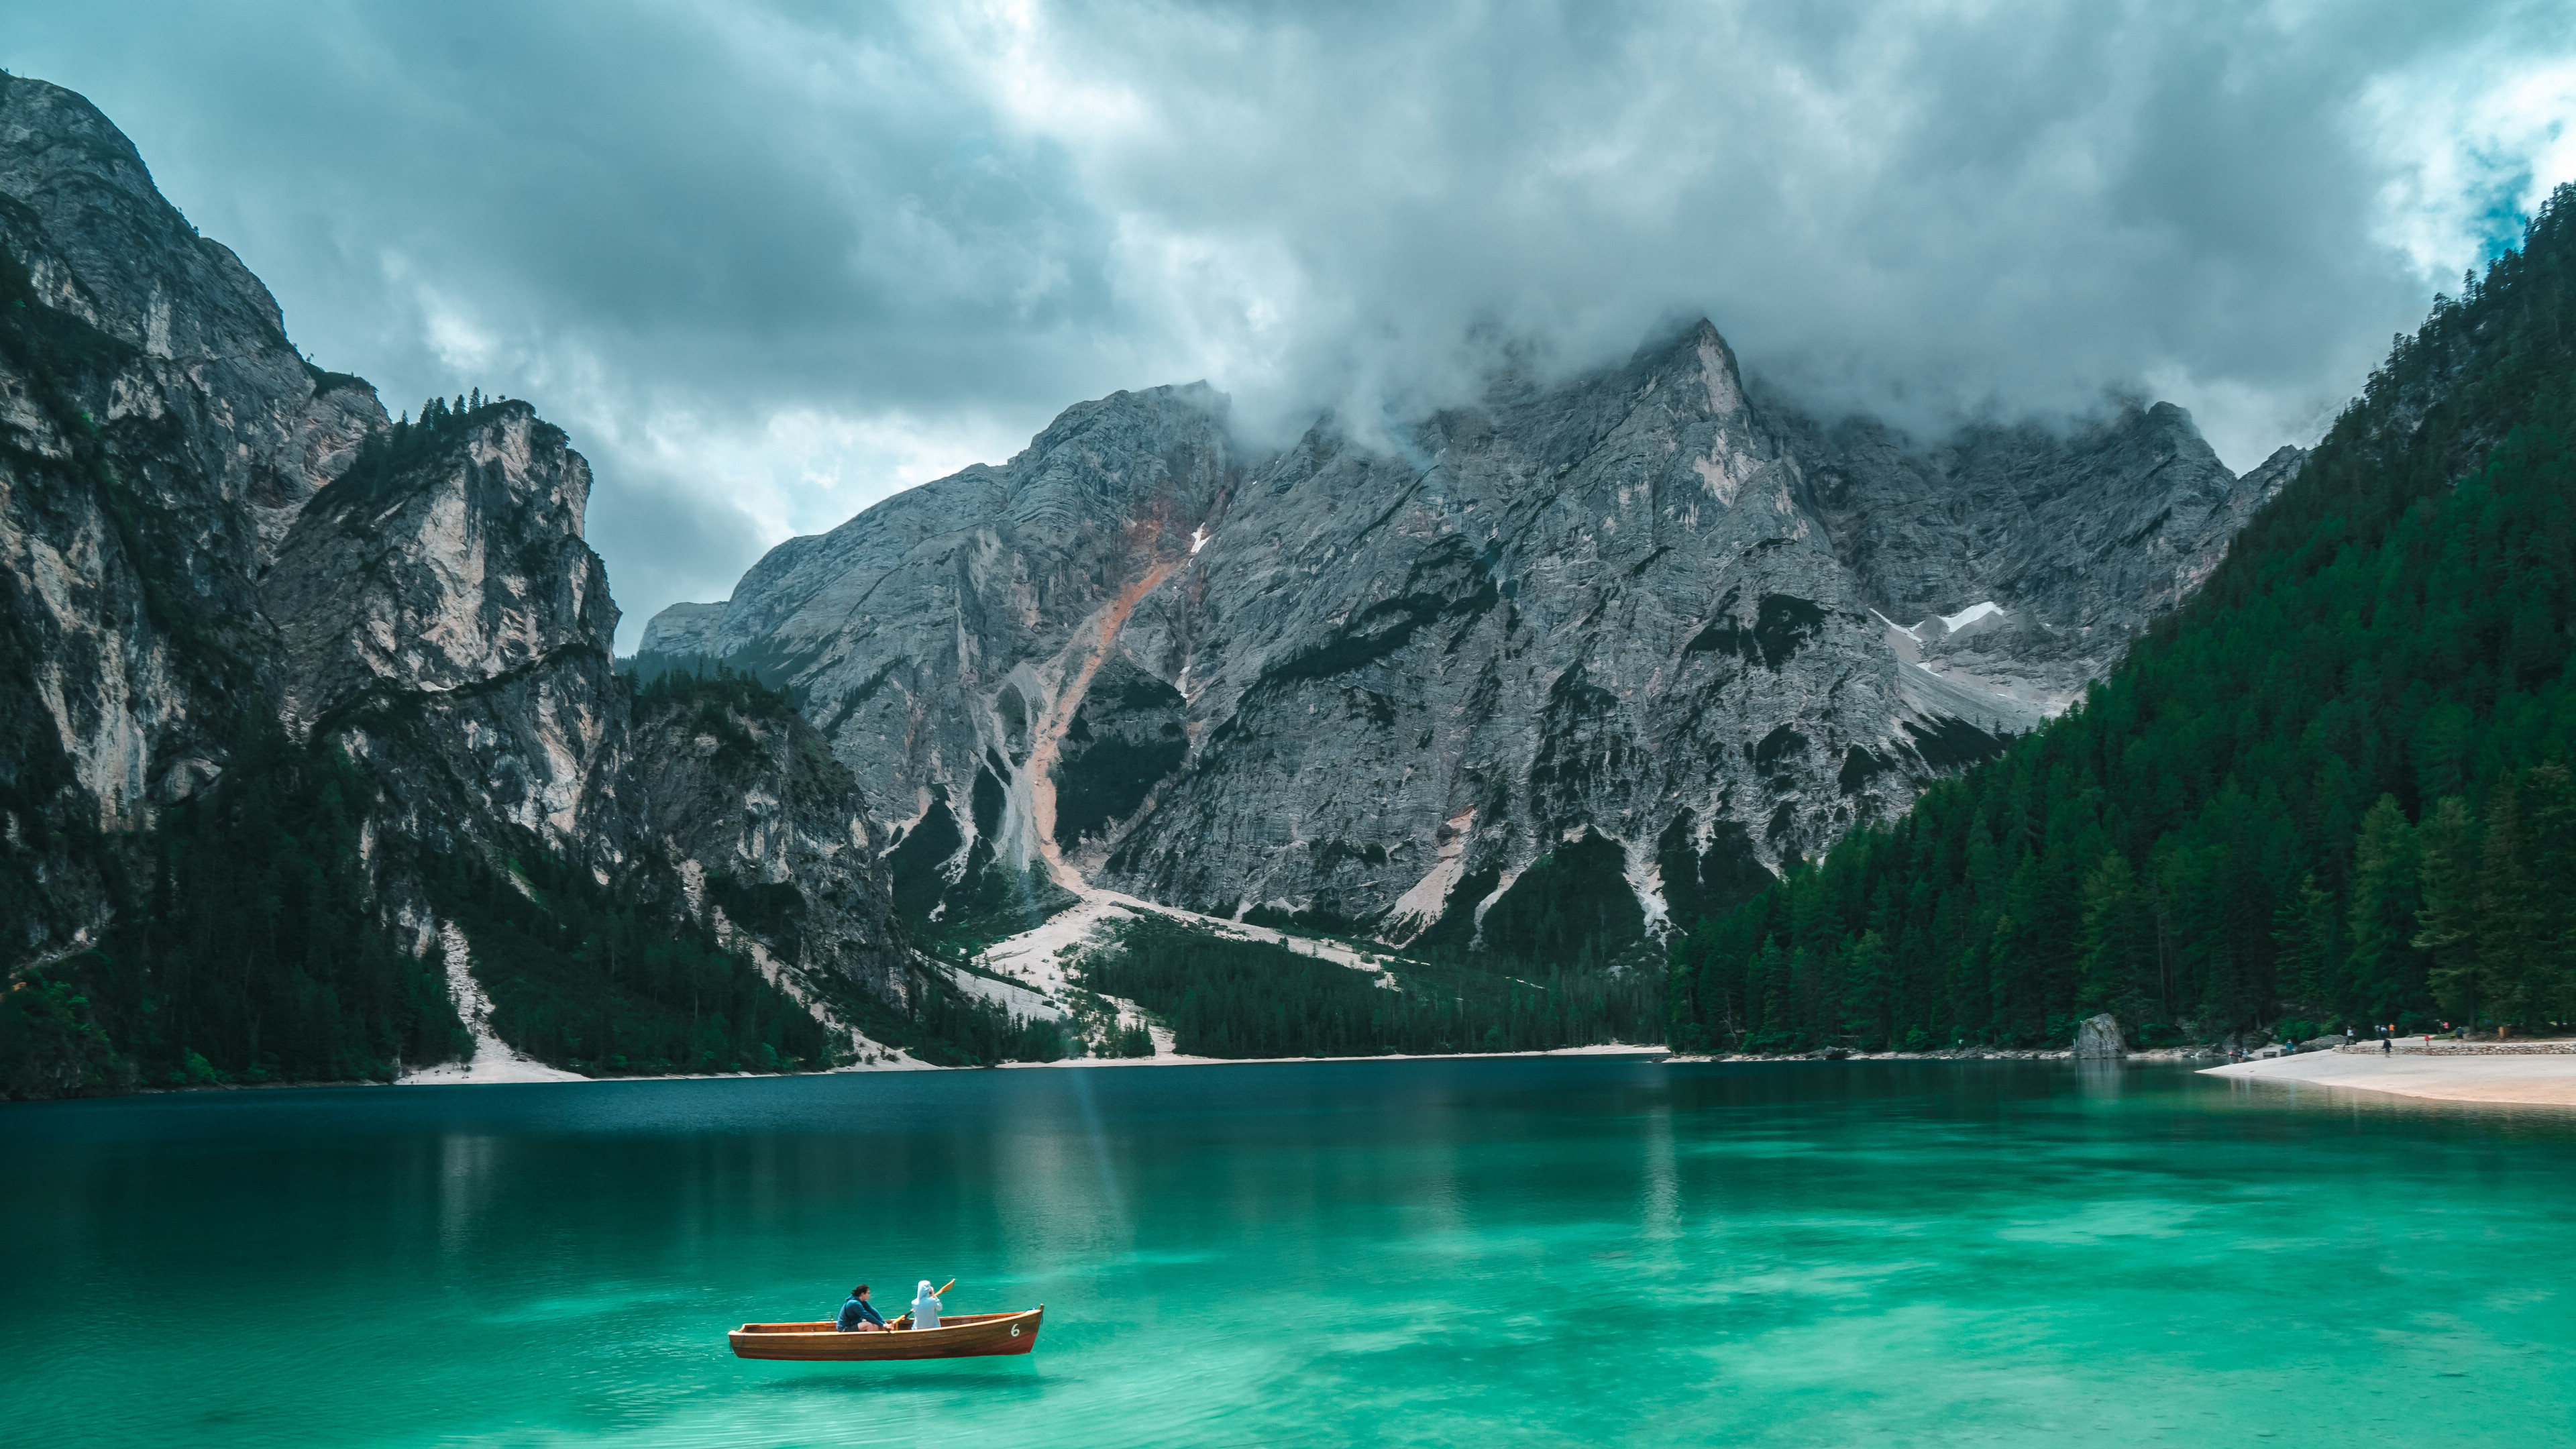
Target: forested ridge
(252, 943)
(2334, 784)
(248, 946)
(1225, 997)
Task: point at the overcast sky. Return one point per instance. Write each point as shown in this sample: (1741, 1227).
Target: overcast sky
(770, 262)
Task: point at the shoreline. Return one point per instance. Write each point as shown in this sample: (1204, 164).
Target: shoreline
(2529, 1078)
(2520, 1079)
(2160, 1056)
(519, 1071)
(1174, 1059)
(454, 1074)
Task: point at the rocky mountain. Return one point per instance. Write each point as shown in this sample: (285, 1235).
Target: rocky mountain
(770, 840)
(252, 632)
(443, 619)
(2332, 786)
(1646, 626)
(443, 615)
(158, 434)
(957, 729)
(330, 700)
(2077, 540)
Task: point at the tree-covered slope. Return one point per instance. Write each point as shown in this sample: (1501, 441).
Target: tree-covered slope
(247, 945)
(2333, 784)
(1224, 997)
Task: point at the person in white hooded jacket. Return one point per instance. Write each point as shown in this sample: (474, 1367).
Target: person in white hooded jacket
(925, 1307)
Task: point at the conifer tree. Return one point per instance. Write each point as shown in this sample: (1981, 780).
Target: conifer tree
(2384, 969)
(2451, 909)
(2117, 941)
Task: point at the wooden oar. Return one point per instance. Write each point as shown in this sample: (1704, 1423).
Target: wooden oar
(906, 1319)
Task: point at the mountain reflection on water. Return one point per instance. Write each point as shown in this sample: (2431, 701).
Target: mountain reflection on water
(1434, 1252)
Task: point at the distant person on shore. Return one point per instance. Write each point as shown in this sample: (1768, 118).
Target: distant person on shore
(857, 1316)
(925, 1307)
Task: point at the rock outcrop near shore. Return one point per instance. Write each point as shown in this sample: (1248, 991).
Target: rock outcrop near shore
(2098, 1039)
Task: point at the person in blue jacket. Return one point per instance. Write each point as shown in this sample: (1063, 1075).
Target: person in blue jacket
(857, 1316)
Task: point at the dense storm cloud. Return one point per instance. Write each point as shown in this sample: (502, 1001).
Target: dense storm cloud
(769, 263)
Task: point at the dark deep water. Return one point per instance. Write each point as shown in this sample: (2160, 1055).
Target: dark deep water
(1464, 1252)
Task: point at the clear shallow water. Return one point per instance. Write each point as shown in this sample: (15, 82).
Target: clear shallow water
(1494, 1252)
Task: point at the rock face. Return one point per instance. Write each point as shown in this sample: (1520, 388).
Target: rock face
(680, 631)
(2078, 540)
(2097, 1038)
(767, 830)
(444, 620)
(951, 633)
(157, 435)
(445, 617)
(203, 535)
(1644, 613)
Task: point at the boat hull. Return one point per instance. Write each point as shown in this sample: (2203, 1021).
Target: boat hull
(976, 1335)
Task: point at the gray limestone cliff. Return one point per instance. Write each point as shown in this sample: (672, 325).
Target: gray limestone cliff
(444, 620)
(680, 631)
(2079, 538)
(942, 640)
(206, 540)
(443, 616)
(768, 834)
(157, 435)
(1372, 689)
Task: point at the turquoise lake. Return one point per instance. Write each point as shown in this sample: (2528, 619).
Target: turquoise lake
(1570, 1251)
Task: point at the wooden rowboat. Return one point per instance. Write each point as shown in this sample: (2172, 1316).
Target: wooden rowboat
(966, 1335)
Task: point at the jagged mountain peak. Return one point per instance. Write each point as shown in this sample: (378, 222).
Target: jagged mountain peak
(1182, 405)
(1648, 606)
(99, 244)
(1159, 455)
(113, 251)
(449, 560)
(1700, 350)
(1682, 370)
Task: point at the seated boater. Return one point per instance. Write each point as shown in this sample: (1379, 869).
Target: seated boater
(925, 1307)
(857, 1316)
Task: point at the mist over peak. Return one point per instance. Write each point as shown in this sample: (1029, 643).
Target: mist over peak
(770, 264)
